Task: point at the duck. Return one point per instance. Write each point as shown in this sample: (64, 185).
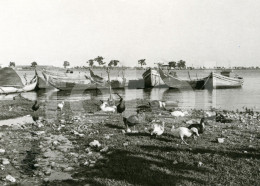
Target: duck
(184, 132)
(134, 120)
(60, 106)
(200, 126)
(120, 108)
(157, 129)
(106, 108)
(35, 106)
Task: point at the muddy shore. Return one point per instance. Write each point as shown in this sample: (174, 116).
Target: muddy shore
(60, 147)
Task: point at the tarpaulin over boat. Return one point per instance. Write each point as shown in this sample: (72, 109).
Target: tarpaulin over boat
(8, 77)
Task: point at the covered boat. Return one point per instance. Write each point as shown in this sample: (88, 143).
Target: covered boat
(224, 80)
(152, 78)
(10, 82)
(172, 81)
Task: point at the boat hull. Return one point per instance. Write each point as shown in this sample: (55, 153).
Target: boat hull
(218, 81)
(177, 83)
(152, 78)
(26, 88)
(81, 84)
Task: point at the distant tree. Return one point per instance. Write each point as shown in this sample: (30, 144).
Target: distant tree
(90, 62)
(100, 61)
(142, 62)
(66, 64)
(12, 64)
(34, 64)
(181, 64)
(172, 64)
(113, 63)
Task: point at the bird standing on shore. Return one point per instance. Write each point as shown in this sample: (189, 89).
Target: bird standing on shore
(134, 120)
(184, 132)
(121, 106)
(35, 106)
(60, 106)
(157, 129)
(200, 126)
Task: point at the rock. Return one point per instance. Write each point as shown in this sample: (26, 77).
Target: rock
(10, 178)
(175, 162)
(94, 143)
(87, 150)
(221, 140)
(86, 163)
(68, 169)
(200, 164)
(5, 161)
(55, 143)
(178, 114)
(105, 149)
(125, 144)
(46, 179)
(2, 151)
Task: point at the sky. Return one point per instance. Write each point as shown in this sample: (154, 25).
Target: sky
(202, 32)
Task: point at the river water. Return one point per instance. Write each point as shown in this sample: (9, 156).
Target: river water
(230, 99)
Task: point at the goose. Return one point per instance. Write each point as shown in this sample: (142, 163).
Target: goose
(134, 120)
(60, 106)
(35, 106)
(121, 106)
(184, 132)
(157, 129)
(200, 126)
(106, 108)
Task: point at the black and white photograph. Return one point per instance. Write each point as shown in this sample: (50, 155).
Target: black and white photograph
(129, 92)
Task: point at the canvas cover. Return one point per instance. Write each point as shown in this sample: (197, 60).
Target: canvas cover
(8, 77)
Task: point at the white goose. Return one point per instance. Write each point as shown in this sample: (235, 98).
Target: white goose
(157, 129)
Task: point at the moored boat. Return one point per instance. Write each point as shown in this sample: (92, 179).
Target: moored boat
(173, 81)
(152, 78)
(11, 82)
(89, 83)
(224, 80)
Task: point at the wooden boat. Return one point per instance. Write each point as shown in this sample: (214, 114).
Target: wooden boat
(117, 83)
(17, 89)
(81, 84)
(173, 81)
(152, 78)
(224, 80)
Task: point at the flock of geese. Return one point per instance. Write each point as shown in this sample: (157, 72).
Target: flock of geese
(157, 127)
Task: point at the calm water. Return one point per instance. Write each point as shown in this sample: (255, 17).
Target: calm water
(231, 99)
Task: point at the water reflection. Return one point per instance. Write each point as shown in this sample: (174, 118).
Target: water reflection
(200, 99)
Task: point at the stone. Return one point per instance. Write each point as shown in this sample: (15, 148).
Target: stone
(10, 178)
(105, 149)
(68, 169)
(94, 143)
(2, 151)
(5, 161)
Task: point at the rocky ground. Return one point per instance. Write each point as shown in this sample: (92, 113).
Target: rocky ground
(81, 145)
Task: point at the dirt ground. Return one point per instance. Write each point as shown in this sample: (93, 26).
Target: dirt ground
(57, 148)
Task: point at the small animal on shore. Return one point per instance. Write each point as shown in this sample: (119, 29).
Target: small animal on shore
(60, 106)
(121, 106)
(106, 108)
(35, 106)
(184, 132)
(134, 120)
(200, 126)
(157, 129)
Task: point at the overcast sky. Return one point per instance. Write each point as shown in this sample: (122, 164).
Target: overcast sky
(201, 32)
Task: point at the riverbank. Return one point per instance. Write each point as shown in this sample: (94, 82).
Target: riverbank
(57, 149)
